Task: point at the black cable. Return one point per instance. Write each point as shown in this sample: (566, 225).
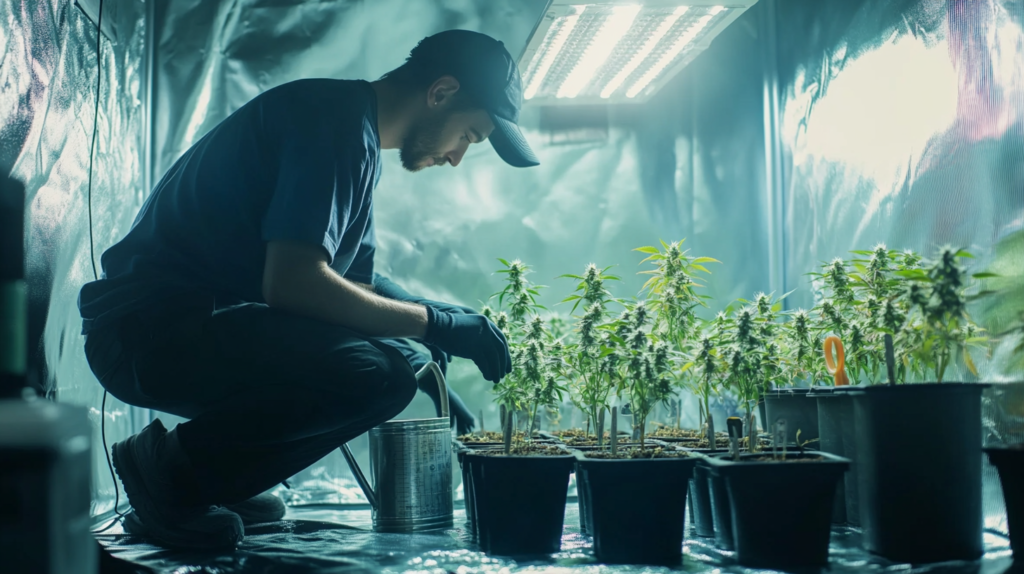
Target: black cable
(92, 257)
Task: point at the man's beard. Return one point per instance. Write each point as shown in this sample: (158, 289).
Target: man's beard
(422, 142)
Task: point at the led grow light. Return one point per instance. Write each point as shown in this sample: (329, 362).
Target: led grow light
(608, 51)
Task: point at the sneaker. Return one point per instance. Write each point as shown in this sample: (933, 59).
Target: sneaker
(142, 462)
(261, 508)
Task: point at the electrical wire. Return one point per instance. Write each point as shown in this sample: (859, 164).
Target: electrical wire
(92, 257)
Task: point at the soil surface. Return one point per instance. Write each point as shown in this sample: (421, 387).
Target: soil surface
(573, 438)
(769, 458)
(670, 432)
(635, 453)
(527, 449)
(489, 436)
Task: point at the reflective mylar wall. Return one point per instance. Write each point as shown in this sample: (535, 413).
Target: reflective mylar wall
(48, 72)
(677, 167)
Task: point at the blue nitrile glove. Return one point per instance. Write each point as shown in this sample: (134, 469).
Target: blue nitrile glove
(471, 337)
(388, 288)
(464, 422)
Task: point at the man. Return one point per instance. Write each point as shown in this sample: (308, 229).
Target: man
(244, 297)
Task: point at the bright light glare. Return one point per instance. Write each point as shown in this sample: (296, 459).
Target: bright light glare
(640, 56)
(614, 28)
(671, 54)
(564, 30)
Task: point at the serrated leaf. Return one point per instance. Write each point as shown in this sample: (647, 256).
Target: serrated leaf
(647, 249)
(705, 260)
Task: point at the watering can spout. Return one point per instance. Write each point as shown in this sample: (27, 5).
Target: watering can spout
(430, 368)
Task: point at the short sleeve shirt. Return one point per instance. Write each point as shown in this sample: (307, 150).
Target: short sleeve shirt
(297, 163)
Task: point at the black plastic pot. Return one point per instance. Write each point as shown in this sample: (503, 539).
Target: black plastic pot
(794, 498)
(800, 412)
(518, 502)
(700, 502)
(628, 526)
(836, 436)
(919, 470)
(1009, 461)
(721, 511)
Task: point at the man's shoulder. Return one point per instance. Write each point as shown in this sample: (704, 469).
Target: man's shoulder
(350, 95)
(346, 105)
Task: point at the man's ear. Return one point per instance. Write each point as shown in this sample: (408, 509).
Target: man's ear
(440, 93)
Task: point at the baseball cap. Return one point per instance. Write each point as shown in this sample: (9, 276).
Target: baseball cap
(488, 74)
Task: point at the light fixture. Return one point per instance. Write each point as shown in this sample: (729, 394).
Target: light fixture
(617, 51)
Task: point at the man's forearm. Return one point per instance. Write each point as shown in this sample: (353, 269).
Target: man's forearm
(311, 288)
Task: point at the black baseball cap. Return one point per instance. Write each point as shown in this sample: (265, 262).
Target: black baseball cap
(488, 74)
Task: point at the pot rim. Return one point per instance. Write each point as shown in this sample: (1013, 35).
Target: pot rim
(951, 387)
(582, 457)
(718, 462)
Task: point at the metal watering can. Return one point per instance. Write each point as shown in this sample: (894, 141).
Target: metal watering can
(411, 468)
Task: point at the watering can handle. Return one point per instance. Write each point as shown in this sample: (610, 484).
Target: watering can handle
(442, 387)
(367, 488)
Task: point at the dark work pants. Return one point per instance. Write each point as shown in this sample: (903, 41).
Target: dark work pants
(267, 392)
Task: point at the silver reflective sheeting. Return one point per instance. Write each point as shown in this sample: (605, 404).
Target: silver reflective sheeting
(47, 96)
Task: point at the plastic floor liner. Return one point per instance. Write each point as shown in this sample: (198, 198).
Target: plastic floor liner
(334, 540)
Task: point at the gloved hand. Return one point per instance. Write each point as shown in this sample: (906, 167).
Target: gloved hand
(388, 288)
(471, 337)
(464, 422)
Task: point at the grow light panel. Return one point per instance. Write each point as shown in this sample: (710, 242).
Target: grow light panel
(615, 51)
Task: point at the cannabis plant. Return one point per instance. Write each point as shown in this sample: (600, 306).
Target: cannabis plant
(536, 356)
(1002, 308)
(642, 366)
(673, 298)
(937, 296)
(744, 357)
(586, 358)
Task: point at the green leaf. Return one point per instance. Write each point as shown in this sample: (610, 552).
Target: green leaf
(647, 249)
(985, 275)
(705, 260)
(964, 253)
(700, 267)
(505, 262)
(913, 274)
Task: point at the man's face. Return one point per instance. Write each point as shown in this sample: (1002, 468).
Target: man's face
(441, 136)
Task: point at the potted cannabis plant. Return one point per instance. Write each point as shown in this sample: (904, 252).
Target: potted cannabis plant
(782, 401)
(673, 298)
(506, 518)
(918, 446)
(587, 364)
(626, 526)
(1003, 316)
(859, 306)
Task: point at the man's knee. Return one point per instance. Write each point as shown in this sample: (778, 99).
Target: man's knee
(399, 380)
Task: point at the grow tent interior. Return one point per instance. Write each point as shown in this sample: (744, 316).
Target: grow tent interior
(806, 129)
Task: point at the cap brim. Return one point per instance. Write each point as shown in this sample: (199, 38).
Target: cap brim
(510, 144)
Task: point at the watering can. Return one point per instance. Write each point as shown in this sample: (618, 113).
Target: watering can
(411, 469)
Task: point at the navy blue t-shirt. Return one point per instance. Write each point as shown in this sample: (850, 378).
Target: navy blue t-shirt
(298, 162)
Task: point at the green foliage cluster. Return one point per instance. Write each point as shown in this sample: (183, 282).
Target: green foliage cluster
(649, 349)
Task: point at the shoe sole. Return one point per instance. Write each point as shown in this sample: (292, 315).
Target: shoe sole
(127, 468)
